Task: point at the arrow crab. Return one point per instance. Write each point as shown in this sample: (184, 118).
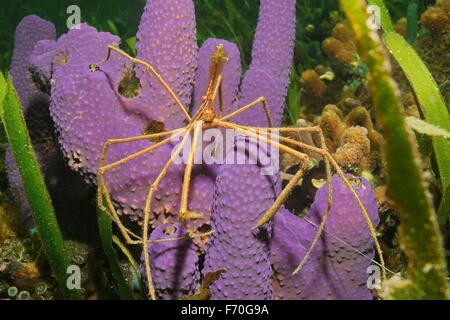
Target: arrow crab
(207, 118)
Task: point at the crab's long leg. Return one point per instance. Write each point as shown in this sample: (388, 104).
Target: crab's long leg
(103, 188)
(329, 204)
(185, 214)
(272, 211)
(143, 151)
(131, 139)
(248, 132)
(285, 192)
(292, 183)
(341, 174)
(216, 87)
(148, 204)
(261, 100)
(188, 236)
(123, 140)
(148, 66)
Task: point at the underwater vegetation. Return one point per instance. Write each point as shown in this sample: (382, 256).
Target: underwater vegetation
(363, 142)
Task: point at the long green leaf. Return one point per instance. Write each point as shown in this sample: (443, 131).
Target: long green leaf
(3, 90)
(412, 25)
(444, 208)
(419, 232)
(34, 185)
(105, 230)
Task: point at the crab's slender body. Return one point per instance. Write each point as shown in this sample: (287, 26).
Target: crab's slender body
(206, 118)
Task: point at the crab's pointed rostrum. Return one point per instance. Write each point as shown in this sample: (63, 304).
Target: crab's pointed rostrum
(231, 73)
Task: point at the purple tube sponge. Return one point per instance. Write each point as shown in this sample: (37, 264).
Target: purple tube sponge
(85, 105)
(28, 32)
(89, 108)
(242, 197)
(272, 53)
(174, 264)
(336, 268)
(167, 39)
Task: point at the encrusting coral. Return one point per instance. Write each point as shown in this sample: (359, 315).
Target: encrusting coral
(355, 145)
(402, 27)
(352, 139)
(437, 18)
(312, 82)
(433, 48)
(342, 80)
(341, 45)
